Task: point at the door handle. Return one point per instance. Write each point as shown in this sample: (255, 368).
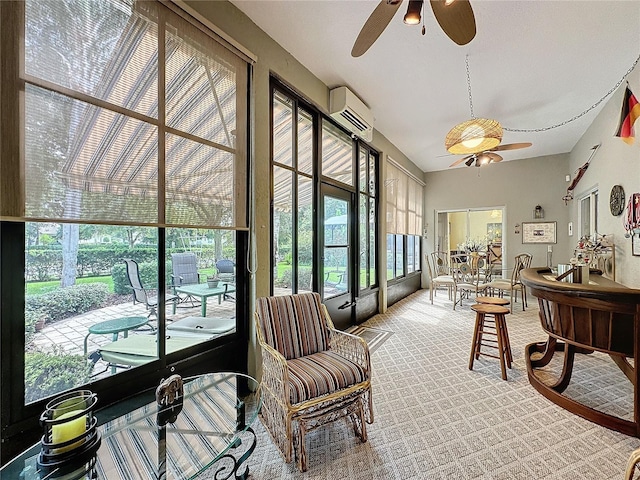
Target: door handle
(346, 304)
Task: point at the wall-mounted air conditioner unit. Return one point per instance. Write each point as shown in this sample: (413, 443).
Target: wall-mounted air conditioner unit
(350, 112)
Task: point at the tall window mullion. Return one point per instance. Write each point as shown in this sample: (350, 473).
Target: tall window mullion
(367, 166)
(293, 193)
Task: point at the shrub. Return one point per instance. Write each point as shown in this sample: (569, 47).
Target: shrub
(304, 279)
(31, 317)
(68, 301)
(46, 374)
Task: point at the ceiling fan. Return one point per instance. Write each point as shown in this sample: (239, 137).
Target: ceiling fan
(455, 17)
(488, 156)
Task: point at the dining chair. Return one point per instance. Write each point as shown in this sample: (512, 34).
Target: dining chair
(436, 280)
(514, 284)
(468, 277)
(440, 261)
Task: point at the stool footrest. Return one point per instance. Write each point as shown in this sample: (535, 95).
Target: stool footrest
(490, 322)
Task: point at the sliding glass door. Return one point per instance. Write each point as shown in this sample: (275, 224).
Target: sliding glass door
(462, 231)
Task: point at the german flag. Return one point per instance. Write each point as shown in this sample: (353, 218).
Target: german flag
(630, 113)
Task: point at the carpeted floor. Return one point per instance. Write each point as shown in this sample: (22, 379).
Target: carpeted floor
(373, 336)
(435, 419)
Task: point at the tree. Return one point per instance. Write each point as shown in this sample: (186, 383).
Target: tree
(69, 43)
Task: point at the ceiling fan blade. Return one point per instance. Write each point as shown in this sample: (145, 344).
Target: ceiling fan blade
(472, 159)
(374, 26)
(456, 20)
(511, 146)
(458, 161)
(494, 157)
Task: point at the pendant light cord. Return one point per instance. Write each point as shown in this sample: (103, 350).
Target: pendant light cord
(561, 124)
(466, 61)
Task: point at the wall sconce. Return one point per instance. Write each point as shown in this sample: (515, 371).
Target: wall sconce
(538, 212)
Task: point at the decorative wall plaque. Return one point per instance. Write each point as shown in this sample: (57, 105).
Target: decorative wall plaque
(616, 200)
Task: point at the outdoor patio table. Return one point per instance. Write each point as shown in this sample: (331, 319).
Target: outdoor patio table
(203, 291)
(114, 327)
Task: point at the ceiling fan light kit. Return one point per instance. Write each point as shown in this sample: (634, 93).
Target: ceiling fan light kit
(455, 17)
(412, 17)
(478, 138)
(474, 136)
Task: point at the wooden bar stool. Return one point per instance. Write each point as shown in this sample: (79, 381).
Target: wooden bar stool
(503, 302)
(493, 301)
(499, 330)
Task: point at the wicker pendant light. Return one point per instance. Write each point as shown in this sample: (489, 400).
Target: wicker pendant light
(473, 136)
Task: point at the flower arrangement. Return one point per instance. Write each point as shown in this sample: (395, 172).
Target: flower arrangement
(473, 245)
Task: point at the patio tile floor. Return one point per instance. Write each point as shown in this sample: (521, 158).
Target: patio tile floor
(68, 334)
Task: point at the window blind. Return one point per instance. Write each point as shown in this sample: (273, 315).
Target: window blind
(404, 201)
(132, 116)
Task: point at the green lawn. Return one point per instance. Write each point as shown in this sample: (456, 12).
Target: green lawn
(35, 288)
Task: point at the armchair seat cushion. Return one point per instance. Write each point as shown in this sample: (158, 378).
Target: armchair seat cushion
(321, 373)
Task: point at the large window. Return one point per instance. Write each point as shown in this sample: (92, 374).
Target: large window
(308, 149)
(368, 161)
(133, 151)
(293, 227)
(404, 221)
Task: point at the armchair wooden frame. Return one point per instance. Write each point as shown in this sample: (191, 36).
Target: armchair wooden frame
(287, 422)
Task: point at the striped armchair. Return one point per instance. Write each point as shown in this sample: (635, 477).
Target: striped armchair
(312, 373)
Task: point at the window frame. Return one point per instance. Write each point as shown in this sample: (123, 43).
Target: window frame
(318, 178)
(19, 422)
(592, 196)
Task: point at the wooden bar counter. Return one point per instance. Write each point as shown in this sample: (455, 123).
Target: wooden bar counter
(602, 316)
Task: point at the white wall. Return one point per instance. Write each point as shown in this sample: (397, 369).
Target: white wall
(518, 185)
(615, 163)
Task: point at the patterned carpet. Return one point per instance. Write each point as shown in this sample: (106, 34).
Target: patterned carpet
(435, 419)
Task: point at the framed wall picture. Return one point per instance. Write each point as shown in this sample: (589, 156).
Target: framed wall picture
(539, 232)
(635, 244)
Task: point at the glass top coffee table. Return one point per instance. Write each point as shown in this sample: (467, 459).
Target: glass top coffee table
(212, 432)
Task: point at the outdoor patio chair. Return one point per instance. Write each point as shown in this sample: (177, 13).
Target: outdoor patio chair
(226, 270)
(226, 273)
(140, 293)
(185, 272)
(312, 374)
